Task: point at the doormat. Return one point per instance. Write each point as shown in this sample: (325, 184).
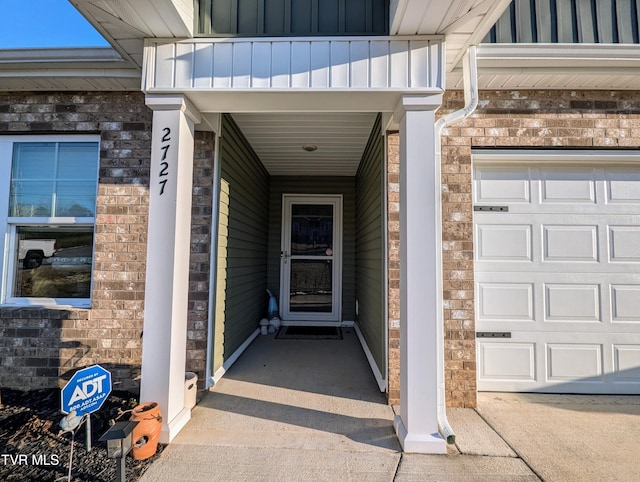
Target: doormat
(310, 333)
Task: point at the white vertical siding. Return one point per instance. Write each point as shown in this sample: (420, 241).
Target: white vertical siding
(319, 64)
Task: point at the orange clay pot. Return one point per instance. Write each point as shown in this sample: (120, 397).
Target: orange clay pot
(147, 432)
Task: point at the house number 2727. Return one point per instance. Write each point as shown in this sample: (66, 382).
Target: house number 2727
(164, 165)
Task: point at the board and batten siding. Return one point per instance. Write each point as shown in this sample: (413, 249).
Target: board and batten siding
(370, 266)
(241, 297)
(291, 17)
(568, 21)
(316, 185)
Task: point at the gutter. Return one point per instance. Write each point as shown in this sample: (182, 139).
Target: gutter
(470, 76)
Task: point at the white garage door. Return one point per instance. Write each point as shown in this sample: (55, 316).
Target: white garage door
(557, 277)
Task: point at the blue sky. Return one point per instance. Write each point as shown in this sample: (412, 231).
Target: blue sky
(44, 23)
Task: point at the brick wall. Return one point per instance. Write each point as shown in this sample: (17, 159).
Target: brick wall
(393, 240)
(513, 119)
(199, 266)
(42, 347)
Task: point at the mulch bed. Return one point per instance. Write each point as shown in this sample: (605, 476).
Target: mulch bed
(32, 449)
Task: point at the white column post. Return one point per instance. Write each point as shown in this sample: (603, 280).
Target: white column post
(164, 339)
(420, 275)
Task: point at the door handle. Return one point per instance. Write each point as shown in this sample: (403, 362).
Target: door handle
(284, 255)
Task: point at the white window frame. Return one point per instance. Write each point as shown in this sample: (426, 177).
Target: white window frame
(9, 225)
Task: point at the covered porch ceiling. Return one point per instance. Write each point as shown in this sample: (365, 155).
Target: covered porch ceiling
(314, 144)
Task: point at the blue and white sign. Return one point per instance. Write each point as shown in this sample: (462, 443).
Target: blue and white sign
(86, 391)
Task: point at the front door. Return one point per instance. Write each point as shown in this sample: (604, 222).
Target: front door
(311, 267)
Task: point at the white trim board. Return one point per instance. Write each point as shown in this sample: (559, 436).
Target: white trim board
(380, 379)
(232, 359)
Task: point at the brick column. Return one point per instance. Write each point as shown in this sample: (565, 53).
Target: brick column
(420, 275)
(164, 341)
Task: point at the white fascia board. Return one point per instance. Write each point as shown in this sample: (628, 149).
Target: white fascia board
(488, 20)
(397, 10)
(75, 73)
(177, 15)
(557, 56)
(44, 55)
(51, 66)
(555, 156)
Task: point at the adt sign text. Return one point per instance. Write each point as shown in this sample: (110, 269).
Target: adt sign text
(86, 391)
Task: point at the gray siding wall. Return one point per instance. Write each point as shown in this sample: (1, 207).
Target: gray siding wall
(568, 21)
(370, 246)
(241, 299)
(291, 17)
(316, 185)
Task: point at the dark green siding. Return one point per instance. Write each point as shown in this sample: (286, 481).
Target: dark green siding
(291, 17)
(568, 21)
(316, 185)
(370, 252)
(242, 243)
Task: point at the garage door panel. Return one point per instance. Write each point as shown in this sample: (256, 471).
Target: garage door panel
(505, 301)
(624, 244)
(572, 302)
(570, 243)
(504, 242)
(557, 275)
(579, 363)
(623, 186)
(568, 186)
(497, 184)
(625, 303)
(626, 361)
(521, 364)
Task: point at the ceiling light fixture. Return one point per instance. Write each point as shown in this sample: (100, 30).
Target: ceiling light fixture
(310, 147)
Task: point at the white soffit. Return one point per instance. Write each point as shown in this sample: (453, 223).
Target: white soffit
(464, 22)
(278, 140)
(126, 23)
(554, 66)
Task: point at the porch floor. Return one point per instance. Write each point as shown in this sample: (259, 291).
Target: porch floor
(286, 408)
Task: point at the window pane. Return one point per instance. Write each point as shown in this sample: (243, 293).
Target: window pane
(51, 179)
(33, 160)
(77, 160)
(311, 286)
(31, 198)
(75, 198)
(311, 229)
(53, 262)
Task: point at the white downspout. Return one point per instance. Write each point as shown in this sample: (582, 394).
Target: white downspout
(470, 77)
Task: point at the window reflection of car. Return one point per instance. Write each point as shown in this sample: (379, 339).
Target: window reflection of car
(72, 256)
(31, 252)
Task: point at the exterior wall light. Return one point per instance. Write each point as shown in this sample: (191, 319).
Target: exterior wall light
(119, 442)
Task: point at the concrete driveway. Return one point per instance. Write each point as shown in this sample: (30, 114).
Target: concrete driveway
(569, 437)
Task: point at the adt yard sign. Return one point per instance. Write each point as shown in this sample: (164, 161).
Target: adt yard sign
(87, 390)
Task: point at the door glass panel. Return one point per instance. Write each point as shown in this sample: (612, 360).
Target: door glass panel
(311, 229)
(311, 285)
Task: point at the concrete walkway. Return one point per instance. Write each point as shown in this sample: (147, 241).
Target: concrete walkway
(307, 410)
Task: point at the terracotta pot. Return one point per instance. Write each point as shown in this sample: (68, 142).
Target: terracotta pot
(147, 432)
